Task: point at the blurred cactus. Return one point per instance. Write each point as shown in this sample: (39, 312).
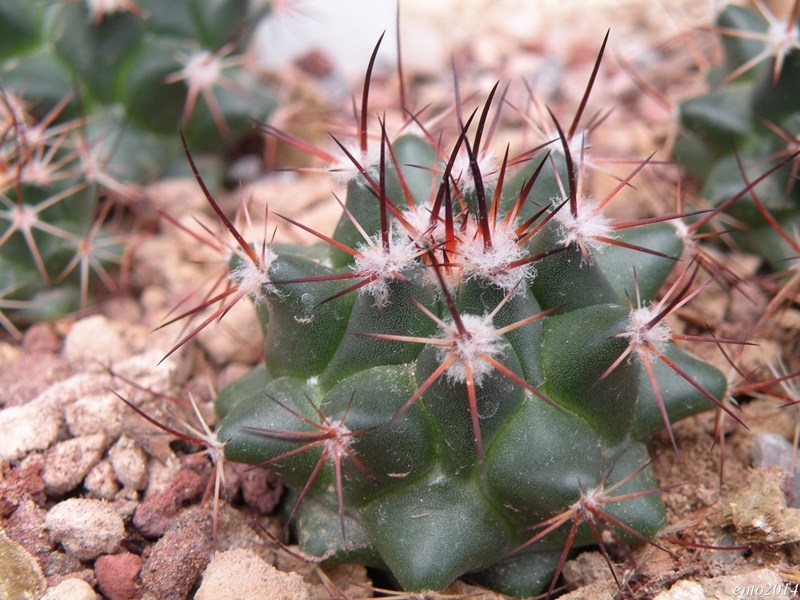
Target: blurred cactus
(138, 71)
(52, 237)
(94, 96)
(746, 131)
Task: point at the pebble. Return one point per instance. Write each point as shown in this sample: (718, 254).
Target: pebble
(85, 528)
(94, 413)
(42, 337)
(59, 566)
(156, 511)
(67, 463)
(74, 589)
(92, 343)
(129, 463)
(161, 472)
(178, 559)
(771, 449)
(242, 574)
(26, 428)
(21, 483)
(118, 575)
(100, 482)
(237, 529)
(683, 590)
(236, 338)
(261, 490)
(30, 376)
(26, 526)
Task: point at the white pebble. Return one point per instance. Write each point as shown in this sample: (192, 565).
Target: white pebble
(93, 342)
(94, 413)
(74, 589)
(85, 528)
(236, 338)
(683, 590)
(242, 574)
(28, 427)
(67, 463)
(100, 482)
(129, 462)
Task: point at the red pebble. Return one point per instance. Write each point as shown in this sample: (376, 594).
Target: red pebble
(118, 575)
(155, 513)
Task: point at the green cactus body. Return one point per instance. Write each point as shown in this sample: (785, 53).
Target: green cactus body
(460, 371)
(748, 126)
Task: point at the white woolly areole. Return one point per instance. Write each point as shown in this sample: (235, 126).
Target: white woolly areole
(373, 262)
(419, 219)
(481, 338)
(339, 442)
(590, 499)
(37, 171)
(25, 217)
(203, 70)
(682, 230)
(98, 8)
(252, 279)
(462, 172)
(577, 144)
(492, 264)
(344, 169)
(583, 228)
(641, 335)
(779, 41)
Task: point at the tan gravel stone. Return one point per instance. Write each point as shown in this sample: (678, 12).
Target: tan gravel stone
(85, 528)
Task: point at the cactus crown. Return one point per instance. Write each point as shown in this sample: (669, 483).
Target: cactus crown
(472, 361)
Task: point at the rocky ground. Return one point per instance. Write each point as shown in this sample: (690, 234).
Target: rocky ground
(95, 501)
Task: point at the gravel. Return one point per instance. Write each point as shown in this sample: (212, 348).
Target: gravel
(85, 528)
(179, 558)
(68, 462)
(74, 589)
(242, 574)
(27, 428)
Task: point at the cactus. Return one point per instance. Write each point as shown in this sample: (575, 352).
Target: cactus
(93, 97)
(462, 379)
(746, 130)
(138, 71)
(51, 236)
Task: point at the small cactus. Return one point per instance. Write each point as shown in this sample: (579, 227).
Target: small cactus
(51, 233)
(462, 379)
(138, 70)
(93, 96)
(746, 131)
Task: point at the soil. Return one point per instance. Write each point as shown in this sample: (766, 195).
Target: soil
(69, 438)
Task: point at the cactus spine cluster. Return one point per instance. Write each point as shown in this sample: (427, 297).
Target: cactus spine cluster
(461, 380)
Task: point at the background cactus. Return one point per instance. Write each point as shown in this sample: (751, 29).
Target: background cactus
(462, 379)
(94, 94)
(138, 71)
(51, 237)
(751, 111)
